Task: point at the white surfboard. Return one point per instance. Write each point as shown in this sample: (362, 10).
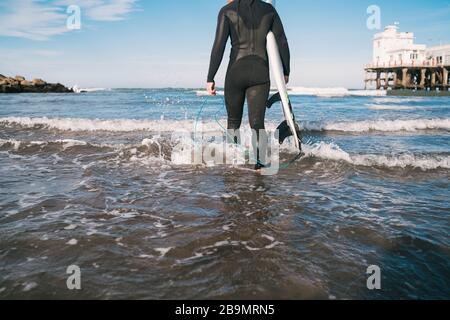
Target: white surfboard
(276, 66)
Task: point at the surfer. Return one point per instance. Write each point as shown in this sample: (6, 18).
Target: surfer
(247, 23)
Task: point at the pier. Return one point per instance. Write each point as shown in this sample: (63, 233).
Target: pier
(399, 64)
(423, 76)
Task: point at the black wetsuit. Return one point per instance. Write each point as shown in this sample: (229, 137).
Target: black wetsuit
(247, 22)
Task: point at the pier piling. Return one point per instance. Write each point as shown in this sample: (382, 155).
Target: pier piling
(408, 77)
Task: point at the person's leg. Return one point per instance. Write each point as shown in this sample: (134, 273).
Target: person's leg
(234, 100)
(257, 97)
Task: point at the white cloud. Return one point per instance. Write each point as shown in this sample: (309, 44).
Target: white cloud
(40, 20)
(103, 10)
(32, 20)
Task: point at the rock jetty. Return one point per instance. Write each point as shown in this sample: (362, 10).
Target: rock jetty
(19, 84)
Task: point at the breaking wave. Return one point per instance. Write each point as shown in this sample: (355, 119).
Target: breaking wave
(77, 89)
(389, 107)
(319, 92)
(129, 125)
(64, 143)
(335, 92)
(161, 149)
(120, 125)
(381, 125)
(331, 151)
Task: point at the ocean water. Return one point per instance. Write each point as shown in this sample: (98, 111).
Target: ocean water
(98, 180)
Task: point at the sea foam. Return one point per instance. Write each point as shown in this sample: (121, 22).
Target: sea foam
(129, 125)
(330, 151)
(380, 125)
(318, 92)
(320, 150)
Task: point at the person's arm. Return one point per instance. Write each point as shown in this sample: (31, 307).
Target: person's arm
(278, 31)
(222, 34)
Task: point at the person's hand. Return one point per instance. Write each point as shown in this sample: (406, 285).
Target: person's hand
(286, 79)
(211, 88)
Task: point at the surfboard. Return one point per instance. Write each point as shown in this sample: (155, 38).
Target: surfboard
(289, 127)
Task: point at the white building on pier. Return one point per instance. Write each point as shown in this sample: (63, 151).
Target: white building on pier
(393, 48)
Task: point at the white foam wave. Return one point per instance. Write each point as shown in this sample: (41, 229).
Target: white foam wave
(322, 150)
(368, 93)
(381, 125)
(129, 125)
(331, 151)
(334, 92)
(120, 125)
(203, 93)
(69, 143)
(77, 89)
(320, 92)
(399, 99)
(328, 151)
(66, 143)
(389, 107)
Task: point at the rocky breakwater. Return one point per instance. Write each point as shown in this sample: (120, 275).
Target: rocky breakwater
(19, 84)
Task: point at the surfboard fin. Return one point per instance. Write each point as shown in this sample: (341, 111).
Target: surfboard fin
(285, 132)
(273, 99)
(284, 129)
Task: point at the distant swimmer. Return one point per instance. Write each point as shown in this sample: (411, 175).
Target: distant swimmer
(247, 23)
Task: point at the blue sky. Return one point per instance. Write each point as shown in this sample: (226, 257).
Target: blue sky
(148, 43)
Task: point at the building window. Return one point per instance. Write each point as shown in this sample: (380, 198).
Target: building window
(439, 60)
